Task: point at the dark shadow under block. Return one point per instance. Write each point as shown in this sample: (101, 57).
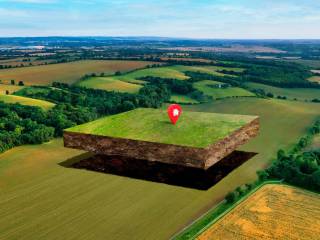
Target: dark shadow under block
(161, 172)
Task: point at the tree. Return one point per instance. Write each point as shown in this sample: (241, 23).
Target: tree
(231, 197)
(127, 105)
(262, 175)
(10, 126)
(281, 154)
(309, 166)
(270, 95)
(249, 186)
(240, 191)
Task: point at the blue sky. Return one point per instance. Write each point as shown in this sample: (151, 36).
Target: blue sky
(169, 18)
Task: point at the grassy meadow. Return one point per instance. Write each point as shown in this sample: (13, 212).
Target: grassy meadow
(194, 129)
(27, 101)
(266, 214)
(291, 93)
(67, 72)
(217, 93)
(110, 84)
(40, 199)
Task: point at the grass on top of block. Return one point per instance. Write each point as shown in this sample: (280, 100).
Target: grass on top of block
(193, 129)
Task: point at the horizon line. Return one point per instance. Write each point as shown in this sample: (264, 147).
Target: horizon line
(146, 36)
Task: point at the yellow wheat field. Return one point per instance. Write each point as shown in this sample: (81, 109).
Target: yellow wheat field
(273, 212)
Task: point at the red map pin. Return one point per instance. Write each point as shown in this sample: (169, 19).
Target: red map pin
(174, 112)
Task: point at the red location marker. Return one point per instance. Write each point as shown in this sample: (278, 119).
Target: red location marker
(174, 112)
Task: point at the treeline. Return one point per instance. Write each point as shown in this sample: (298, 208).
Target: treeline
(297, 167)
(23, 125)
(288, 77)
(199, 76)
(99, 101)
(259, 75)
(178, 87)
(275, 73)
(76, 105)
(270, 72)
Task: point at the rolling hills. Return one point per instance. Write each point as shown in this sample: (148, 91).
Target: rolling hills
(39, 195)
(67, 72)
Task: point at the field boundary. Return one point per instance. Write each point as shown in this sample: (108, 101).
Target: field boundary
(183, 234)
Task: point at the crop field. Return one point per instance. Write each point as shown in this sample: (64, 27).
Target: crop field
(10, 88)
(291, 93)
(273, 212)
(195, 129)
(14, 62)
(39, 196)
(217, 93)
(176, 72)
(26, 101)
(110, 84)
(183, 99)
(67, 72)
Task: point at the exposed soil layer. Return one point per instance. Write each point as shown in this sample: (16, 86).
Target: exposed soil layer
(162, 172)
(166, 153)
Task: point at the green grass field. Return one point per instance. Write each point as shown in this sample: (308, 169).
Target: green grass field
(218, 93)
(26, 101)
(194, 129)
(291, 93)
(110, 84)
(42, 200)
(182, 99)
(67, 72)
(176, 72)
